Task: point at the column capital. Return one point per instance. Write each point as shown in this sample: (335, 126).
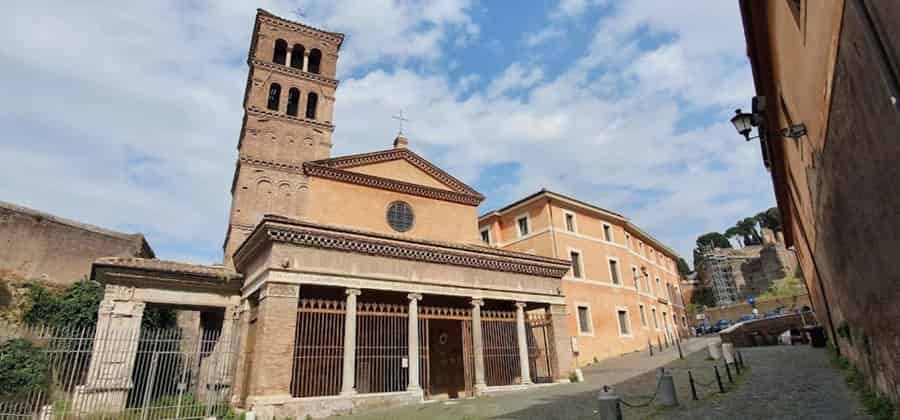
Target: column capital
(354, 292)
(521, 305)
(477, 302)
(414, 296)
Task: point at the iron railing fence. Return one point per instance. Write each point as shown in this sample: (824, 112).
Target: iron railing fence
(319, 348)
(139, 374)
(541, 347)
(501, 348)
(382, 352)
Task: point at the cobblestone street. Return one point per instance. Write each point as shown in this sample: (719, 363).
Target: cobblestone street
(783, 382)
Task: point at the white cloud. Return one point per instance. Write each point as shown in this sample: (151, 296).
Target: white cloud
(132, 123)
(542, 36)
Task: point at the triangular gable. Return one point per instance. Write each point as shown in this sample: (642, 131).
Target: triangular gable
(400, 166)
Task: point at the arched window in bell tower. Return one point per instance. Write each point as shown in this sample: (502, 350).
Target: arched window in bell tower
(280, 55)
(297, 56)
(311, 102)
(315, 60)
(274, 96)
(293, 101)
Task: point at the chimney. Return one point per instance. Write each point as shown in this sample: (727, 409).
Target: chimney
(401, 142)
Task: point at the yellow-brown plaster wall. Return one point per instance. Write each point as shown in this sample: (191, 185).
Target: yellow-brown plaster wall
(355, 206)
(400, 170)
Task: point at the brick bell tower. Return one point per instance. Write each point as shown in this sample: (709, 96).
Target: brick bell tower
(288, 108)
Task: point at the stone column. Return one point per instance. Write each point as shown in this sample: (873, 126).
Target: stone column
(287, 58)
(478, 346)
(306, 60)
(113, 353)
(523, 343)
(273, 349)
(241, 352)
(413, 336)
(348, 386)
(565, 359)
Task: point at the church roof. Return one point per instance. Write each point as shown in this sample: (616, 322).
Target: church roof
(338, 168)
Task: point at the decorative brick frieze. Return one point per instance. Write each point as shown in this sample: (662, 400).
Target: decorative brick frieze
(268, 164)
(327, 81)
(261, 113)
(334, 37)
(411, 251)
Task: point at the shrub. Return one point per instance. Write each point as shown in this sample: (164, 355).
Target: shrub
(24, 368)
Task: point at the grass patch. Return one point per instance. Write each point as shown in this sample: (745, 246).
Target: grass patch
(875, 404)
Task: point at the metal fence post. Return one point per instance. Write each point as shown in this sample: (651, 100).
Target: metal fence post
(693, 387)
(728, 372)
(719, 379)
(737, 367)
(659, 342)
(741, 359)
(650, 345)
(678, 344)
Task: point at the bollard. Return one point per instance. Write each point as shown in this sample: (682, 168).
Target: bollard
(719, 379)
(667, 395)
(741, 359)
(728, 371)
(715, 349)
(609, 408)
(680, 354)
(659, 343)
(737, 367)
(650, 345)
(728, 352)
(693, 387)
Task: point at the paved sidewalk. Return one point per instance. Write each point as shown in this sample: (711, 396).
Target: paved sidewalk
(785, 382)
(562, 401)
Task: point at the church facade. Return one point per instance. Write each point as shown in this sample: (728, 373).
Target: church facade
(355, 280)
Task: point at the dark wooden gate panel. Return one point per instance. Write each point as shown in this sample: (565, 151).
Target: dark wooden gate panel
(428, 375)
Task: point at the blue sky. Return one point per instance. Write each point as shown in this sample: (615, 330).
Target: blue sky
(127, 115)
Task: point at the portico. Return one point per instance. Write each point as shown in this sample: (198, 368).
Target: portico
(393, 321)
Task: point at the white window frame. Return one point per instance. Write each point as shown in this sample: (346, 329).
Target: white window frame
(618, 271)
(627, 320)
(612, 234)
(643, 310)
(658, 286)
(590, 316)
(527, 223)
(580, 263)
(487, 229)
(566, 214)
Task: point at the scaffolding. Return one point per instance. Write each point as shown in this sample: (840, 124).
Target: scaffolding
(722, 278)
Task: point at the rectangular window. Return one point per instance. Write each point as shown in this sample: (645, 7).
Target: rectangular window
(655, 319)
(628, 241)
(486, 236)
(658, 290)
(623, 322)
(575, 256)
(634, 275)
(607, 233)
(643, 316)
(522, 224)
(570, 222)
(584, 320)
(684, 321)
(614, 271)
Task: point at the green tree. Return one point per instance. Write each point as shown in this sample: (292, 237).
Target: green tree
(770, 219)
(24, 368)
(683, 267)
(712, 239)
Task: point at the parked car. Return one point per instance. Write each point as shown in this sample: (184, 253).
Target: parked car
(746, 318)
(776, 312)
(704, 328)
(721, 325)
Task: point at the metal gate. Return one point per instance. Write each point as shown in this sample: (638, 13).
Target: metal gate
(381, 347)
(428, 315)
(541, 347)
(318, 348)
(501, 348)
(168, 373)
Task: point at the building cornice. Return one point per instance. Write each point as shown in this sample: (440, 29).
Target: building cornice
(306, 234)
(259, 113)
(322, 171)
(272, 19)
(290, 71)
(268, 164)
(351, 161)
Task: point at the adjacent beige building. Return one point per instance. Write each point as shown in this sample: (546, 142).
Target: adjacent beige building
(623, 289)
